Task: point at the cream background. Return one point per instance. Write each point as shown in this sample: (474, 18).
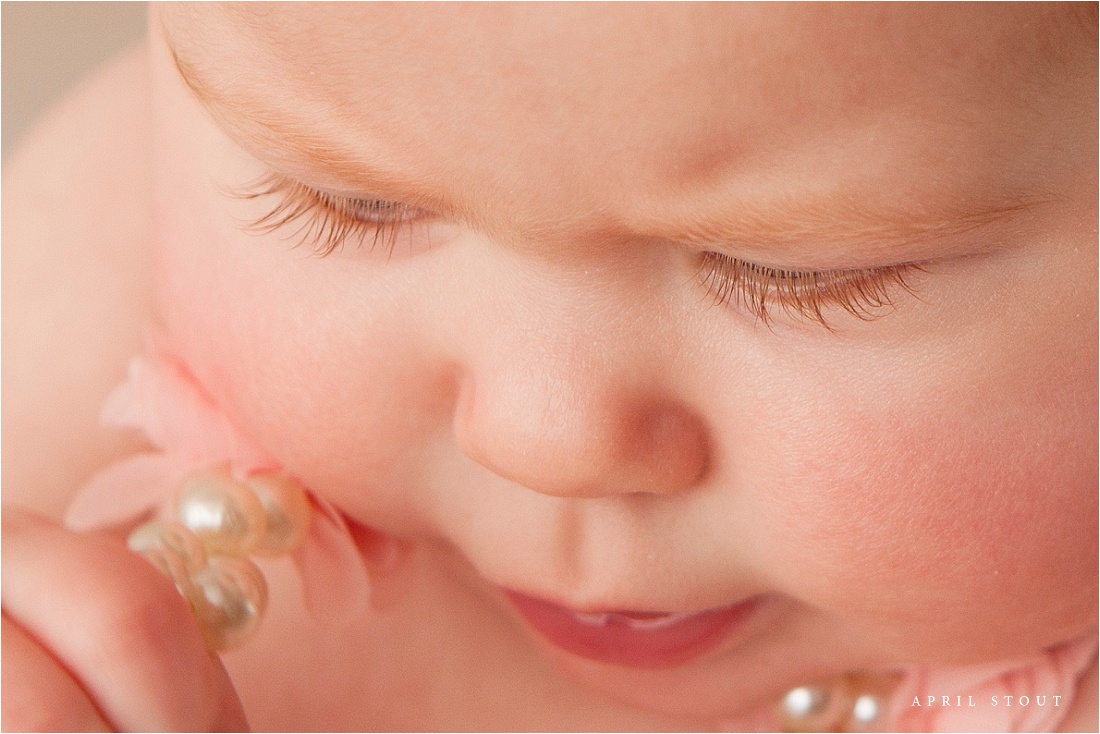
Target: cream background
(48, 47)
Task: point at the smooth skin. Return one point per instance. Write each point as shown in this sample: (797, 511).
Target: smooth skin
(901, 489)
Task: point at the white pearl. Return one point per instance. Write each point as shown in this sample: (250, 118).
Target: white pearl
(173, 549)
(173, 537)
(287, 510)
(804, 701)
(866, 709)
(224, 513)
(228, 599)
(809, 708)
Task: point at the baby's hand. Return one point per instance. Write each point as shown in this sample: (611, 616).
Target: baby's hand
(94, 638)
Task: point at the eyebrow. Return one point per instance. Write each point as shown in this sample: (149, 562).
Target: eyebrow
(843, 220)
(850, 221)
(268, 130)
(215, 102)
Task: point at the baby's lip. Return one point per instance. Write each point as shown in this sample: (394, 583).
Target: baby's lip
(633, 638)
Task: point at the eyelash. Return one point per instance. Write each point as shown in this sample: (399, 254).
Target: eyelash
(327, 222)
(807, 295)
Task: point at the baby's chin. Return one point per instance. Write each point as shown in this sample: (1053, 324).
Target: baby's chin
(722, 663)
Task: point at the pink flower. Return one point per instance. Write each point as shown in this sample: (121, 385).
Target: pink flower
(162, 399)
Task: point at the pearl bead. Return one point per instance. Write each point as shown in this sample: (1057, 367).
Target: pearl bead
(809, 708)
(172, 537)
(850, 703)
(865, 710)
(804, 701)
(173, 549)
(287, 511)
(228, 599)
(224, 513)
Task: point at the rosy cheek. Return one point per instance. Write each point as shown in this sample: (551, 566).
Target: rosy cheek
(938, 530)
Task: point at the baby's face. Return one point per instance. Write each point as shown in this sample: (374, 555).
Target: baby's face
(789, 310)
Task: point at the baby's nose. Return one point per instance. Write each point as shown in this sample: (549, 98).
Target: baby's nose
(563, 430)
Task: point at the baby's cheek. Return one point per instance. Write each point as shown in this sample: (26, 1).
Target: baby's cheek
(295, 358)
(291, 347)
(942, 533)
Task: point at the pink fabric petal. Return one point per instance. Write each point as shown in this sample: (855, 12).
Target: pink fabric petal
(122, 408)
(125, 490)
(335, 585)
(1054, 672)
(162, 398)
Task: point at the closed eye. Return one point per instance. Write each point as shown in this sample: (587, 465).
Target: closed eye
(327, 222)
(808, 295)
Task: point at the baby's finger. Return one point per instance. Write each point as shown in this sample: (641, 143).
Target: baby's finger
(38, 693)
(117, 625)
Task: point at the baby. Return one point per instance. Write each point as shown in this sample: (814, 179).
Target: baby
(682, 367)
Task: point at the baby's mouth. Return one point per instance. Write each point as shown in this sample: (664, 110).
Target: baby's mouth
(630, 638)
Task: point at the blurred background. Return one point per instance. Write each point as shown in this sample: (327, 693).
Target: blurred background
(46, 48)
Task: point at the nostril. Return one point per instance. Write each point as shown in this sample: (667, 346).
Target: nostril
(673, 446)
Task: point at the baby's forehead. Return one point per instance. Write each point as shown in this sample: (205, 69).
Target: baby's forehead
(766, 40)
(666, 96)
